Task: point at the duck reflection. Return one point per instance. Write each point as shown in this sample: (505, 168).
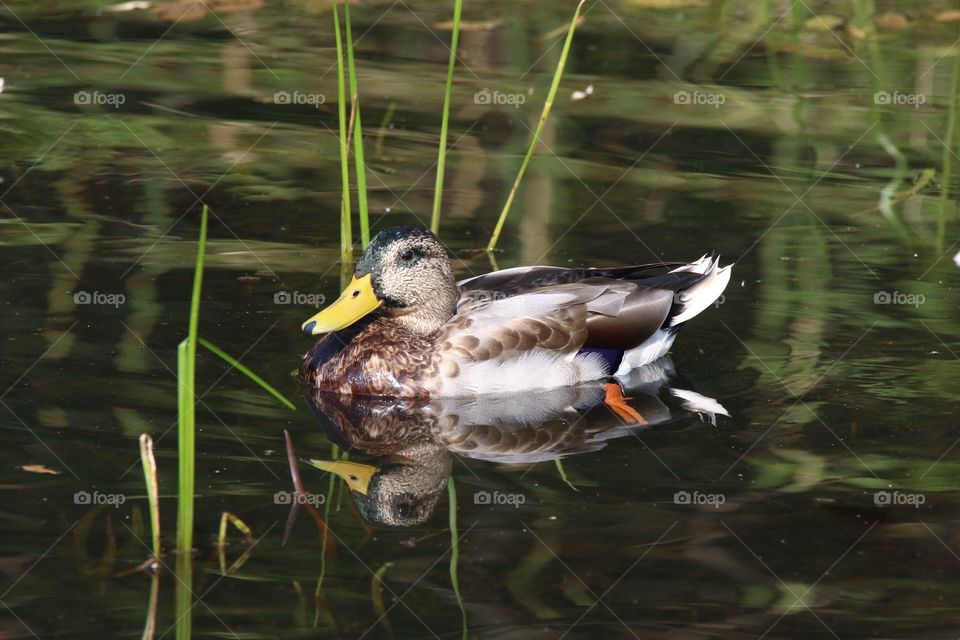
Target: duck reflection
(411, 442)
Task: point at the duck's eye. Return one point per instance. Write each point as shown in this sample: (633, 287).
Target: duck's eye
(407, 256)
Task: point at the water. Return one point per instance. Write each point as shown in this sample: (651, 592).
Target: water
(821, 506)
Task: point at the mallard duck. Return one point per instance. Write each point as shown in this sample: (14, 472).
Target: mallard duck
(404, 327)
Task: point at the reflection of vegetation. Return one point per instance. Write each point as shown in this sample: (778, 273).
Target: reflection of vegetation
(455, 551)
(798, 471)
(948, 153)
(321, 608)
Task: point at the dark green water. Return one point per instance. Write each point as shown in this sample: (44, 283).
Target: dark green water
(828, 495)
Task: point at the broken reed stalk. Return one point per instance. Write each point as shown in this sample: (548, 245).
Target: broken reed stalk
(153, 492)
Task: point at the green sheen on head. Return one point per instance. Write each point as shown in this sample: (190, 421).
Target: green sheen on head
(411, 274)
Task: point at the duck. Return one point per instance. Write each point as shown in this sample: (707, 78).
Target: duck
(405, 327)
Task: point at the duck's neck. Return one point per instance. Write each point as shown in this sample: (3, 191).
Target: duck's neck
(431, 313)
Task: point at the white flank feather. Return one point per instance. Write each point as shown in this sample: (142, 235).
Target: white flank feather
(653, 348)
(537, 369)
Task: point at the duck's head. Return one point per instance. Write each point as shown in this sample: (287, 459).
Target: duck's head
(405, 274)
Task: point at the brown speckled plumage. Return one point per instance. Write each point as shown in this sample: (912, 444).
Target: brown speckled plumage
(384, 358)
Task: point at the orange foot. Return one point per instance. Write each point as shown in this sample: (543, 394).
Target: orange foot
(615, 400)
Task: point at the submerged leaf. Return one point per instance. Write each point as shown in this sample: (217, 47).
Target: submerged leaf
(39, 468)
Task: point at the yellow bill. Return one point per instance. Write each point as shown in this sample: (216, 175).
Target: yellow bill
(356, 301)
(356, 475)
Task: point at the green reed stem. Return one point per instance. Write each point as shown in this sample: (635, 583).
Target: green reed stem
(547, 105)
(357, 134)
(186, 392)
(346, 232)
(445, 120)
(236, 364)
(153, 490)
(455, 551)
(186, 434)
(183, 601)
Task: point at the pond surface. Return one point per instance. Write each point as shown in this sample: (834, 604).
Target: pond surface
(806, 142)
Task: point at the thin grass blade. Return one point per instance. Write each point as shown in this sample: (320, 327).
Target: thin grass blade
(186, 454)
(242, 368)
(358, 159)
(346, 231)
(547, 105)
(445, 121)
(378, 148)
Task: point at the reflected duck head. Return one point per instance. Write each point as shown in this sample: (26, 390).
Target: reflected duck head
(400, 490)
